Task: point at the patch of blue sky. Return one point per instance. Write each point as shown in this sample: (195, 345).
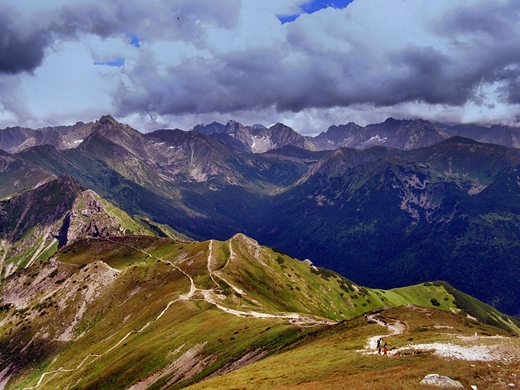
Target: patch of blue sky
(135, 41)
(314, 6)
(117, 62)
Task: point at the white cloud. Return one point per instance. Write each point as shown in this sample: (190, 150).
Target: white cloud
(201, 61)
(68, 83)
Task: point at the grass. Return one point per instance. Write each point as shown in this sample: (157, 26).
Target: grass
(109, 297)
(331, 359)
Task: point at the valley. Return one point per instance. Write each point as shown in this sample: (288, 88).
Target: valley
(446, 210)
(181, 259)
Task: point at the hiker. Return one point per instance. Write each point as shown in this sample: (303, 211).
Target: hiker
(385, 349)
(379, 345)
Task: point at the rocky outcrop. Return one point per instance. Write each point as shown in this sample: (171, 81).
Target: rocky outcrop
(90, 218)
(441, 381)
(36, 223)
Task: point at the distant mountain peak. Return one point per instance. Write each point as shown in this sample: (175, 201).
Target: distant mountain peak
(107, 119)
(258, 126)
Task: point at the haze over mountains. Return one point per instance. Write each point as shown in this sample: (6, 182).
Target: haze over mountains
(386, 205)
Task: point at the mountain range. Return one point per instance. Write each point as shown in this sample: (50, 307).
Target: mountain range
(430, 207)
(392, 133)
(133, 261)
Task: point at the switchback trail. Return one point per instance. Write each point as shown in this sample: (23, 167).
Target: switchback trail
(211, 296)
(394, 328)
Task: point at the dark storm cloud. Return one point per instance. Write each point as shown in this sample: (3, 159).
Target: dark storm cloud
(23, 41)
(489, 39)
(192, 58)
(475, 46)
(19, 53)
(23, 44)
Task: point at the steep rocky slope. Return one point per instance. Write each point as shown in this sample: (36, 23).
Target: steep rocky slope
(36, 223)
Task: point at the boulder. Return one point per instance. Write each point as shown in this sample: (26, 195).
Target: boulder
(441, 381)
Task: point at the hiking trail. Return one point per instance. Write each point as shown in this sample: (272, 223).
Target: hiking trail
(211, 296)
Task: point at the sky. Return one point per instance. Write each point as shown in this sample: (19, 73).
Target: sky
(309, 64)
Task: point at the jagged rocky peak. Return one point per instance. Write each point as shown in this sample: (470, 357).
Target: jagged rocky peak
(107, 119)
(233, 127)
(284, 135)
(108, 125)
(337, 136)
(120, 133)
(280, 126)
(212, 128)
(106, 122)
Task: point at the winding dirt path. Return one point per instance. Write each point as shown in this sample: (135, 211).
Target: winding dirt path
(472, 348)
(394, 328)
(61, 369)
(211, 296)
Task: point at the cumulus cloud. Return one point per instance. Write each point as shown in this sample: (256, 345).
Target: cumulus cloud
(444, 60)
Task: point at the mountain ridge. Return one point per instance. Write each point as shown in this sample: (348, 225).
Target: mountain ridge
(403, 134)
(35, 224)
(372, 214)
(133, 311)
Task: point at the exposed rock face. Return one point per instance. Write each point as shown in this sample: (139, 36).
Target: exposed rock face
(34, 224)
(212, 128)
(441, 381)
(89, 218)
(44, 205)
(256, 138)
(120, 133)
(399, 134)
(31, 223)
(337, 136)
(17, 139)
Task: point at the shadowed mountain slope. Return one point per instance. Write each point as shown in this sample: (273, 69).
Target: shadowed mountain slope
(449, 211)
(382, 216)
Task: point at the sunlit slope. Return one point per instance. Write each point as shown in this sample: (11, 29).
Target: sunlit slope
(344, 356)
(36, 223)
(146, 312)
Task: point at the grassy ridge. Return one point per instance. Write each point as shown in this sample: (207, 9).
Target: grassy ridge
(108, 313)
(336, 357)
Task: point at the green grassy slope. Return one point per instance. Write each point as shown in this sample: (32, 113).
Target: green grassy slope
(150, 312)
(337, 357)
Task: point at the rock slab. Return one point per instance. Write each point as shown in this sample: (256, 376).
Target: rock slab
(441, 381)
